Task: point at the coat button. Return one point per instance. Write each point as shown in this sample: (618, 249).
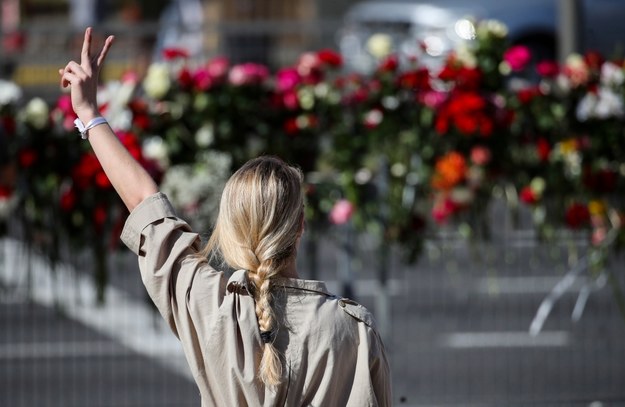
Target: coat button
(342, 303)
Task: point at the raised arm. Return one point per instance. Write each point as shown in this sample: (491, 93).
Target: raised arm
(129, 178)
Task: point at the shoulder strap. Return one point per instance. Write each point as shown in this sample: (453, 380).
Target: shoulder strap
(356, 310)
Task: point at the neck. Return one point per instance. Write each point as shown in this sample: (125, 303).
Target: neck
(290, 271)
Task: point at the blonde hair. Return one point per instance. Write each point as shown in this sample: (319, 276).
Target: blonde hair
(257, 229)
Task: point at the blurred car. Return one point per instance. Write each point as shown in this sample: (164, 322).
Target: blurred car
(428, 30)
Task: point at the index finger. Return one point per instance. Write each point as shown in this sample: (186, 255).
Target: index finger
(86, 47)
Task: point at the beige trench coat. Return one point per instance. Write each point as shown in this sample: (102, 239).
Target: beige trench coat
(332, 353)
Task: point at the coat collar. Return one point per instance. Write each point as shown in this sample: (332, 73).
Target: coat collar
(240, 284)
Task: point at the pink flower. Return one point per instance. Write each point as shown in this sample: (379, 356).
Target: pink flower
(290, 100)
(342, 212)
(433, 98)
(480, 155)
(308, 63)
(202, 79)
(517, 57)
(248, 74)
(373, 118)
(287, 79)
(547, 69)
(218, 68)
(443, 209)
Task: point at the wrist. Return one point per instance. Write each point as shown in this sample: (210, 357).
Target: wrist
(87, 115)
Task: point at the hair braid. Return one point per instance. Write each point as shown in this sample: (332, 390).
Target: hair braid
(270, 370)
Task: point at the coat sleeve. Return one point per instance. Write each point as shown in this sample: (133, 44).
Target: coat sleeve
(380, 371)
(186, 291)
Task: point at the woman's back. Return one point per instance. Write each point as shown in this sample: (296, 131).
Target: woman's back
(330, 352)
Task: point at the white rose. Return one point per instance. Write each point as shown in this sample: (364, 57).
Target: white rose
(157, 81)
(609, 105)
(205, 135)
(466, 56)
(10, 93)
(612, 75)
(36, 113)
(154, 148)
(380, 45)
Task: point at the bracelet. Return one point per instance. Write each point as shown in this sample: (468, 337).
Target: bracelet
(83, 129)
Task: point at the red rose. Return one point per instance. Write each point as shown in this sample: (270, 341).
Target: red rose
(5, 192)
(418, 79)
(290, 126)
(547, 69)
(185, 79)
(27, 157)
(68, 200)
(601, 181)
(389, 64)
(577, 216)
(330, 58)
(172, 53)
(99, 217)
(527, 95)
(101, 180)
(528, 195)
(543, 149)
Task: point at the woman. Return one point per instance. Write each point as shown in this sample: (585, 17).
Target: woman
(262, 336)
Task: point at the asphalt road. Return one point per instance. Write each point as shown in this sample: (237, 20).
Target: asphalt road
(457, 336)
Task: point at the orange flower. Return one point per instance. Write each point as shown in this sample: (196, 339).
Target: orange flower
(450, 170)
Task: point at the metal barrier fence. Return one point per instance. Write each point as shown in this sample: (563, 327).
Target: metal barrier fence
(457, 325)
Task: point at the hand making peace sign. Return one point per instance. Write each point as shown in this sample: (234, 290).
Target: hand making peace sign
(83, 78)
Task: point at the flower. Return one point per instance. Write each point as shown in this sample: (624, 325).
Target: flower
(373, 118)
(480, 155)
(172, 53)
(517, 57)
(218, 68)
(547, 69)
(287, 79)
(10, 93)
(341, 212)
(466, 111)
(157, 82)
(36, 114)
(443, 209)
(330, 58)
(577, 215)
(528, 196)
(154, 148)
(603, 104)
(450, 170)
(576, 70)
(248, 74)
(380, 45)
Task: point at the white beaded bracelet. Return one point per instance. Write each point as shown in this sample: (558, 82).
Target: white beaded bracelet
(83, 129)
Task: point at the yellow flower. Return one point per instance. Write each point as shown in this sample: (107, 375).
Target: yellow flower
(596, 207)
(567, 147)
